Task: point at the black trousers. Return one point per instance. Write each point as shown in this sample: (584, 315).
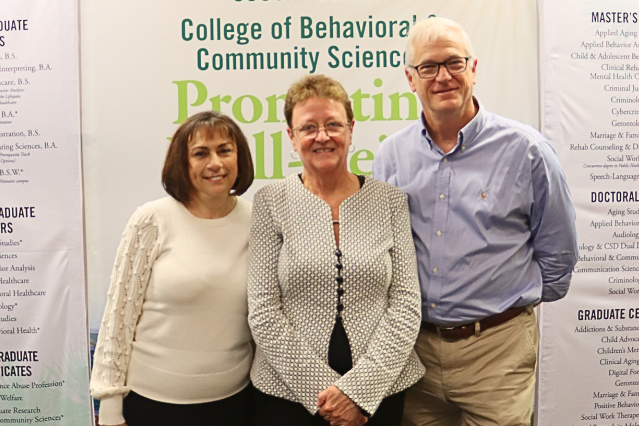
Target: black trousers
(274, 411)
(232, 411)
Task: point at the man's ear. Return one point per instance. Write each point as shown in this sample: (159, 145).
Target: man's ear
(409, 74)
(473, 70)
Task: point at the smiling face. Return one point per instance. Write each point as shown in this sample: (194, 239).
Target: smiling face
(445, 93)
(213, 165)
(320, 154)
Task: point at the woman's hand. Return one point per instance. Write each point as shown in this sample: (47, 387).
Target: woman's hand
(338, 409)
(100, 424)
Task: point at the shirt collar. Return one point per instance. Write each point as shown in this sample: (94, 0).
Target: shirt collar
(467, 134)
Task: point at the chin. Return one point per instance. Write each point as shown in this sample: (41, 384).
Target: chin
(447, 105)
(326, 166)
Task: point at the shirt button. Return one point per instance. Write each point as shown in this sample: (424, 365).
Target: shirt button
(442, 196)
(435, 270)
(462, 147)
(438, 233)
(433, 305)
(446, 160)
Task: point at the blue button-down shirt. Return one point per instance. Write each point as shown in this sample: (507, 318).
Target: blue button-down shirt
(493, 223)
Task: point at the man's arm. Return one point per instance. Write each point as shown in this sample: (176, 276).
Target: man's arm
(553, 229)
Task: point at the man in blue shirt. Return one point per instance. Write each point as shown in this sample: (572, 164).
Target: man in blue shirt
(494, 232)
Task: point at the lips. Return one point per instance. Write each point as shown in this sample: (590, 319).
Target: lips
(439, 92)
(322, 150)
(214, 178)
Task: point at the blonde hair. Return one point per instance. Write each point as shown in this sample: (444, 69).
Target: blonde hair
(318, 86)
(432, 29)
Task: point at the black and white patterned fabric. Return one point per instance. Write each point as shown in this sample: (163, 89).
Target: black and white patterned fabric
(293, 293)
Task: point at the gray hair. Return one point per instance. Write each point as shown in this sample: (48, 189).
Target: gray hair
(432, 29)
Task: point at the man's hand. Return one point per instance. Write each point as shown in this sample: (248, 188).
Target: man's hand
(338, 409)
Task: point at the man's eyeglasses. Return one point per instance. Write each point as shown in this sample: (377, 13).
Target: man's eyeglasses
(431, 69)
(332, 129)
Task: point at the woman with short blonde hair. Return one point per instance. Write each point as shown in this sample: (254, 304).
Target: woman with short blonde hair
(334, 302)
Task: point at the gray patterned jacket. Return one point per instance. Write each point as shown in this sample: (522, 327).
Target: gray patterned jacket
(292, 293)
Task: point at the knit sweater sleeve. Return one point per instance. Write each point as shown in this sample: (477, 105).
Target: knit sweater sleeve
(131, 272)
(379, 367)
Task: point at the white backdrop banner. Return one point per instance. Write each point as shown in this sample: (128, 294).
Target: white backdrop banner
(148, 65)
(588, 372)
(43, 318)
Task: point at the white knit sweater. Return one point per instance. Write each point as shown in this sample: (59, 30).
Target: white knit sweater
(175, 324)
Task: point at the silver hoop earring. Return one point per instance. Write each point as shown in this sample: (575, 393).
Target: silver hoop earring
(352, 148)
(294, 154)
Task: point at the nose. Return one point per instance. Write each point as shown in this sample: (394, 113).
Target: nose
(443, 73)
(322, 135)
(214, 161)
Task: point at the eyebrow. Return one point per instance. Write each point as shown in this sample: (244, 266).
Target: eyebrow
(431, 61)
(228, 142)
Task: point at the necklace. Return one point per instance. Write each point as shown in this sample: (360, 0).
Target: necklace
(339, 280)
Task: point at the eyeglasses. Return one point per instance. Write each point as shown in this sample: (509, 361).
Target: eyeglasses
(332, 128)
(431, 69)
